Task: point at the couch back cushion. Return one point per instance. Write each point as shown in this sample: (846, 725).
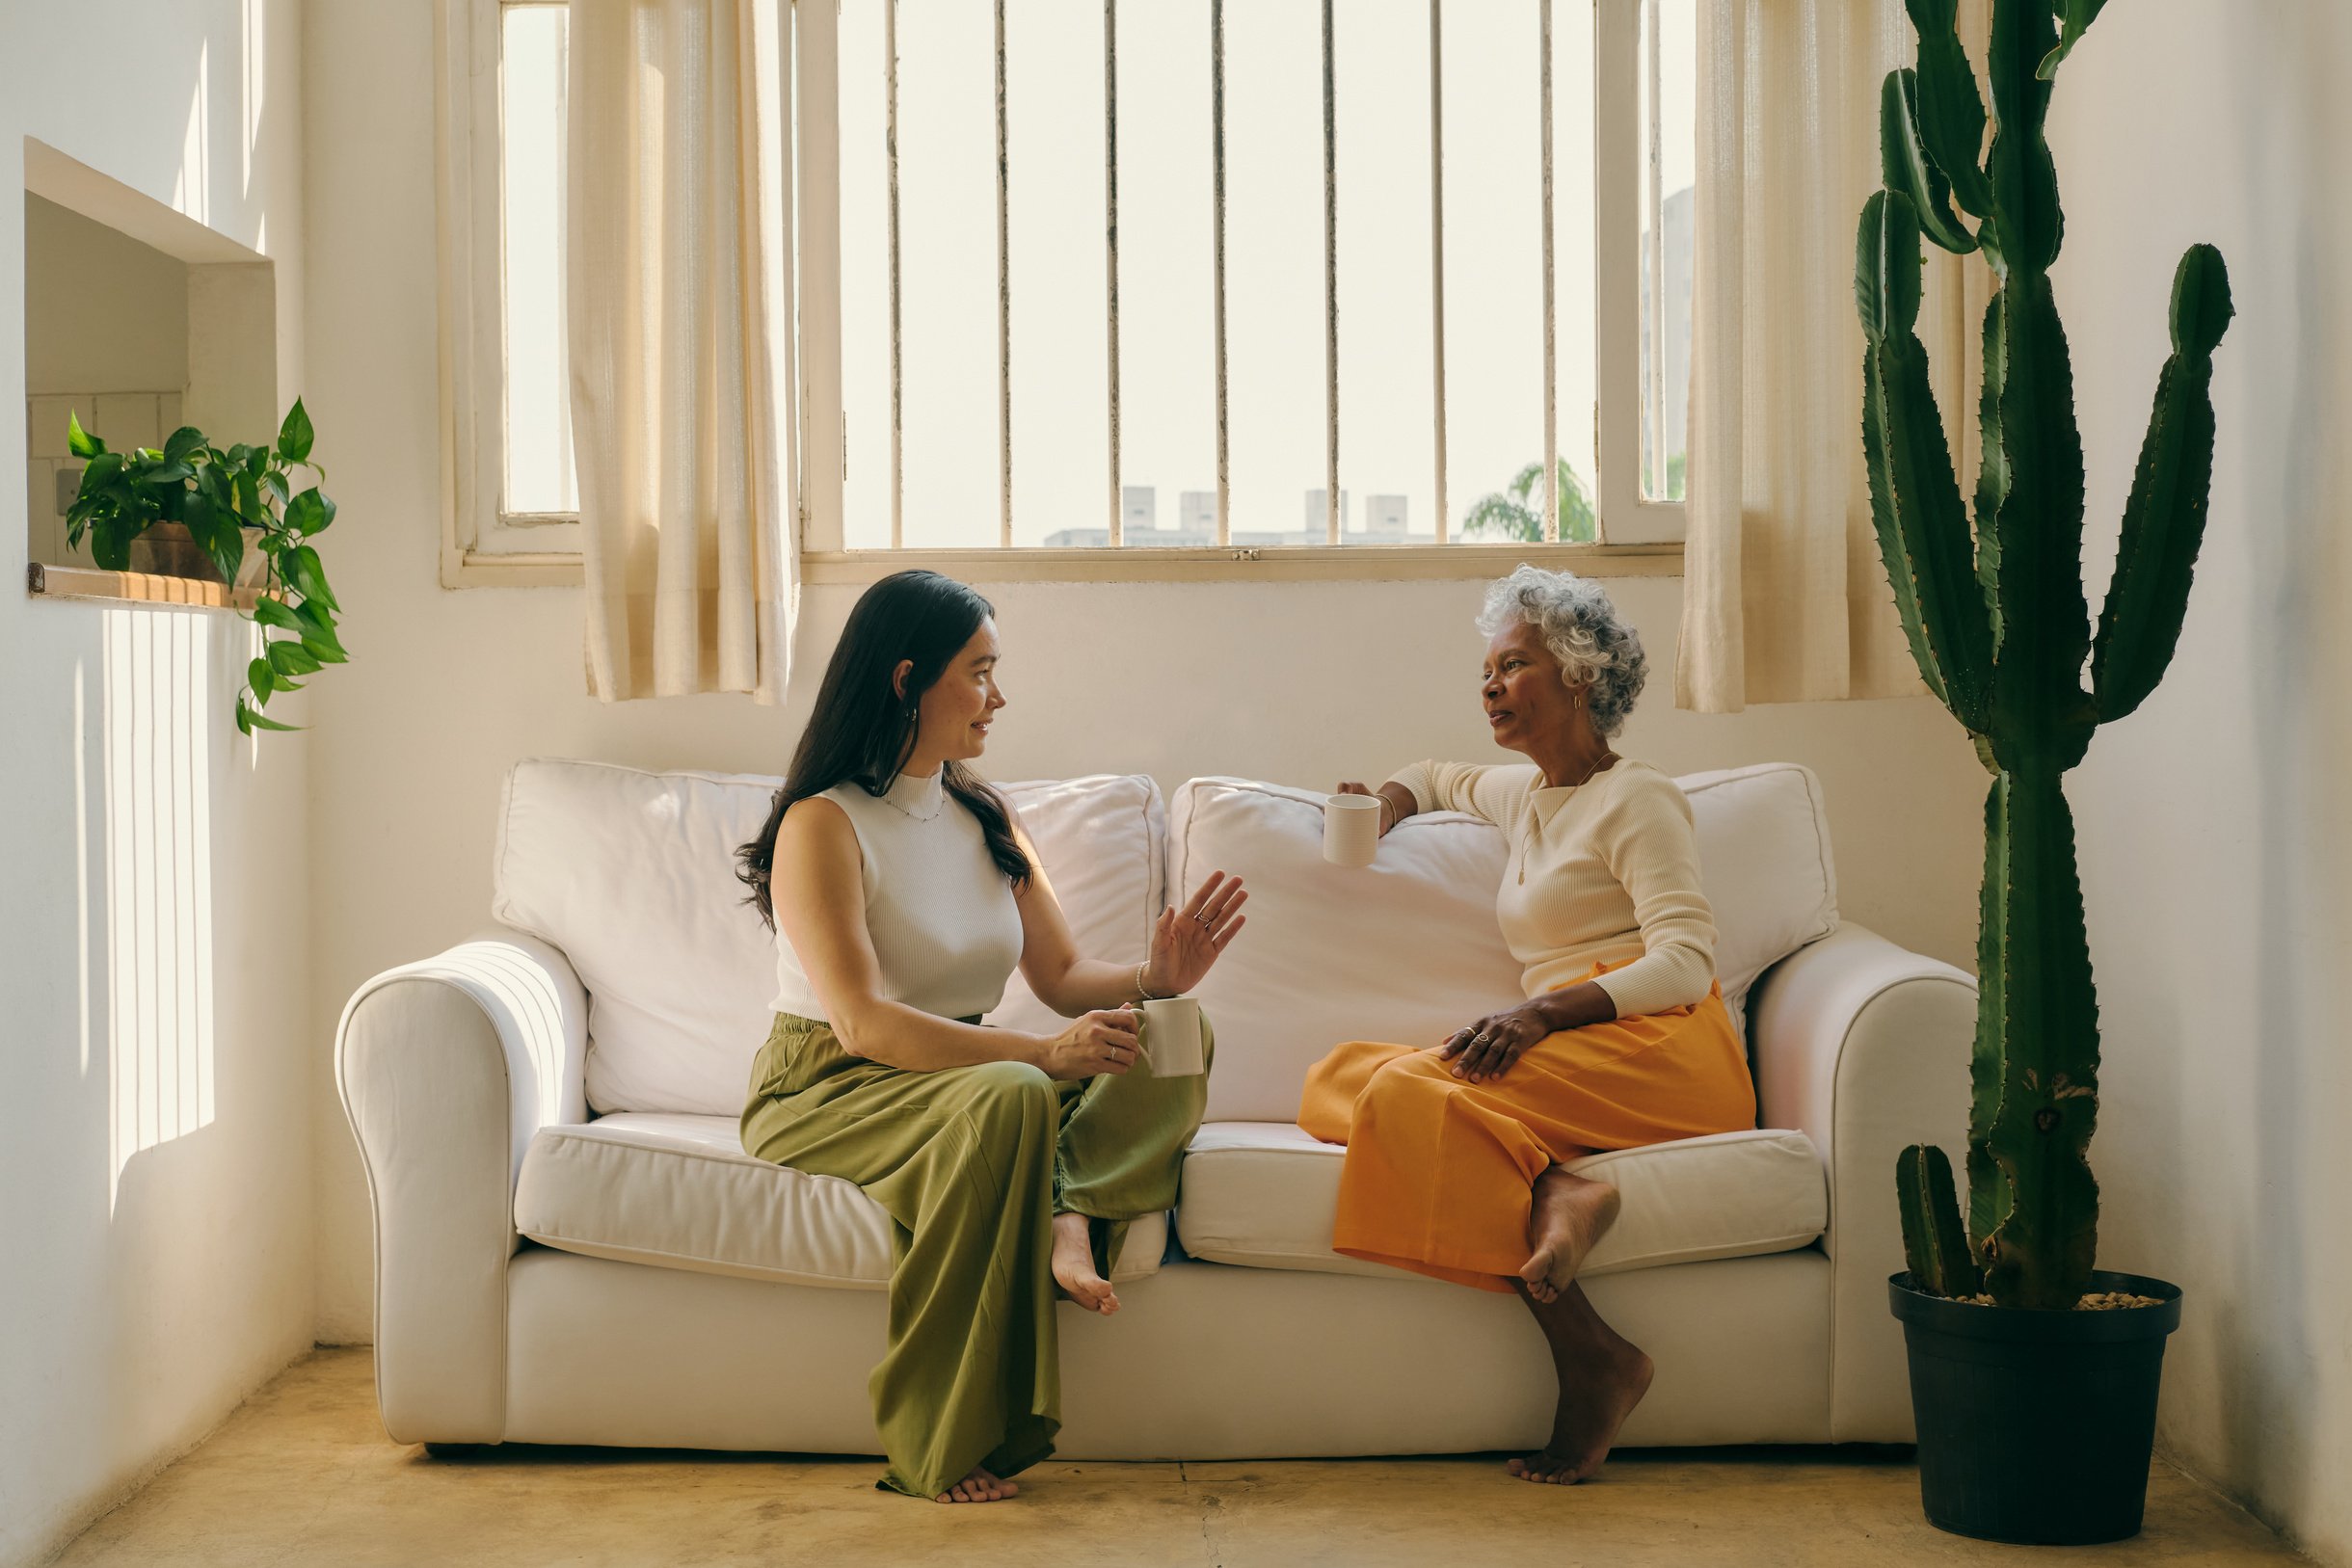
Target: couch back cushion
(632, 875)
(1408, 949)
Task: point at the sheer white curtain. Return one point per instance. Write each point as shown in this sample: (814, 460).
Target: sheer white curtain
(1784, 598)
(685, 525)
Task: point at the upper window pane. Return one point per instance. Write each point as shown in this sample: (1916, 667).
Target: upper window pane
(1387, 372)
(1669, 122)
(537, 392)
(1060, 312)
(948, 393)
(1167, 259)
(1494, 269)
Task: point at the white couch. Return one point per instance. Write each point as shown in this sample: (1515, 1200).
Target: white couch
(571, 1246)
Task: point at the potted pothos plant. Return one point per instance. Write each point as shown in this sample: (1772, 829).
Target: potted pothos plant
(2033, 1373)
(239, 515)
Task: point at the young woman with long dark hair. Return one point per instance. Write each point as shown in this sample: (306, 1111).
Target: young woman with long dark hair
(904, 893)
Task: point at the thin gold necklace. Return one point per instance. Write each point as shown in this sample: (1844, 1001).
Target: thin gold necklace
(1535, 825)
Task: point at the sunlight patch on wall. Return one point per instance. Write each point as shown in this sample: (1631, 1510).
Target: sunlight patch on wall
(156, 827)
(191, 192)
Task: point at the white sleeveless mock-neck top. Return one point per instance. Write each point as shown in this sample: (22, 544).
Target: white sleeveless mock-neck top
(942, 917)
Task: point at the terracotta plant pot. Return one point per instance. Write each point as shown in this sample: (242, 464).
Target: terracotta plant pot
(166, 549)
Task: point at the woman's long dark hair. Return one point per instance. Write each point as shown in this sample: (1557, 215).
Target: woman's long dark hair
(862, 729)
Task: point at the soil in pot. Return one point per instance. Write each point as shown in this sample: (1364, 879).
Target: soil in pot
(2037, 1427)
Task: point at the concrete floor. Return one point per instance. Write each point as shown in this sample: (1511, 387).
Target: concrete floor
(303, 1475)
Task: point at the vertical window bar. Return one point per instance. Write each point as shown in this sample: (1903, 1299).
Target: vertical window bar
(898, 369)
(1551, 336)
(1216, 175)
(1111, 249)
(1330, 170)
(1005, 312)
(1653, 246)
(1616, 265)
(1438, 248)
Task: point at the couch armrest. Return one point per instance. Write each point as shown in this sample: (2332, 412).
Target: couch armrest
(447, 1068)
(1864, 1048)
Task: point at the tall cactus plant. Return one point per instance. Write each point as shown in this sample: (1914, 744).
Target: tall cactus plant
(1997, 617)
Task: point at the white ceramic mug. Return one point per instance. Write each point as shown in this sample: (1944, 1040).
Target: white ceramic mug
(1352, 829)
(1171, 1037)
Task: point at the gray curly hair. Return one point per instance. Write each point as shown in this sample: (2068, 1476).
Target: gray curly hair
(1596, 648)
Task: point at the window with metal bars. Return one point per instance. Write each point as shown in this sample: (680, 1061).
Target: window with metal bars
(1219, 277)
(1264, 277)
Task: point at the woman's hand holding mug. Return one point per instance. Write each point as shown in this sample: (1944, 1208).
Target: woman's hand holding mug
(1104, 1041)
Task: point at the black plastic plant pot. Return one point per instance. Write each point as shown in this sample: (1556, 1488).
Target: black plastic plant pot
(2036, 1427)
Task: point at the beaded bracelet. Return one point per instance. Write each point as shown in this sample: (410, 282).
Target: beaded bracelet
(1141, 991)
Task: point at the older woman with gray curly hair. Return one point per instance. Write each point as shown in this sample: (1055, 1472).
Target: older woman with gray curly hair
(1455, 1153)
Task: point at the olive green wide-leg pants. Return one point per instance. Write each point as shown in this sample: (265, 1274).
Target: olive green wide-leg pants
(973, 1163)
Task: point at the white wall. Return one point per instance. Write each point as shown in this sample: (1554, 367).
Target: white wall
(156, 1149)
(101, 309)
(2214, 839)
(1304, 683)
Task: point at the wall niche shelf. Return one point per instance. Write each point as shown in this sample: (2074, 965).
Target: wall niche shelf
(135, 588)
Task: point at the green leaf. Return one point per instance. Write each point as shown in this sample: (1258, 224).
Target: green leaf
(294, 436)
(275, 481)
(110, 543)
(185, 439)
(276, 612)
(317, 633)
(292, 659)
(79, 441)
(310, 513)
(309, 576)
(249, 721)
(238, 456)
(262, 679)
(103, 470)
(249, 498)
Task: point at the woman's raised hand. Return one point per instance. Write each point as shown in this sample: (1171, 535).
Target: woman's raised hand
(1187, 942)
(1097, 1042)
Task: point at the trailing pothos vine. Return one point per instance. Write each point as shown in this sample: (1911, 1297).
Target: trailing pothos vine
(222, 497)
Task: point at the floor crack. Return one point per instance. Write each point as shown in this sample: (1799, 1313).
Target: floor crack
(1206, 1541)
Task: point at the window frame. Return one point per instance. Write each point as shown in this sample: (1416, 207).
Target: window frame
(482, 545)
(481, 542)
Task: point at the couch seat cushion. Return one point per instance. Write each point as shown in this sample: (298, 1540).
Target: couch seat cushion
(677, 1192)
(1262, 1194)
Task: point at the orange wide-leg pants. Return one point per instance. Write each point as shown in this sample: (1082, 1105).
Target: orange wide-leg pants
(1440, 1172)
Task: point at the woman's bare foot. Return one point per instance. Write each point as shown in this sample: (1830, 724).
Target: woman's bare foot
(1590, 1413)
(1571, 1213)
(1074, 1265)
(978, 1487)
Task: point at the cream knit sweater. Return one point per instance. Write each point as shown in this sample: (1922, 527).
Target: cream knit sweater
(1602, 872)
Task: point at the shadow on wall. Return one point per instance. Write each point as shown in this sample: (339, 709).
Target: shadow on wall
(144, 834)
